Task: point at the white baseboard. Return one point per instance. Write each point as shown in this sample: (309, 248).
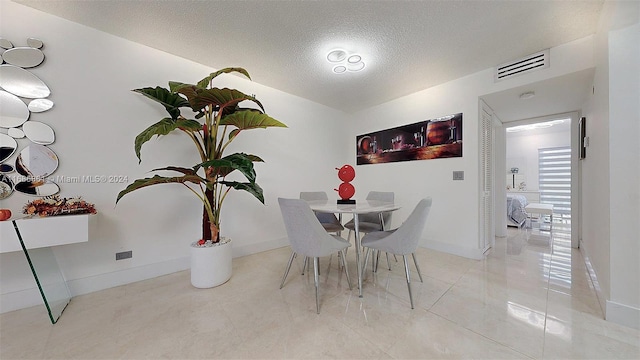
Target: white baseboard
(126, 276)
(31, 297)
(623, 314)
(20, 299)
(239, 251)
(476, 254)
(602, 297)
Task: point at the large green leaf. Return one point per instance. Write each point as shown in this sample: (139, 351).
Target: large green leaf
(186, 171)
(204, 83)
(163, 127)
(221, 99)
(157, 179)
(170, 100)
(253, 188)
(230, 163)
(254, 158)
(247, 119)
(174, 86)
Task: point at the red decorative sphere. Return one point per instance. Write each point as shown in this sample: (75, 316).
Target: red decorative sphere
(346, 191)
(346, 173)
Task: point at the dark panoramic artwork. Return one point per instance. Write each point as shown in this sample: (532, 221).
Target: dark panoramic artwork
(430, 139)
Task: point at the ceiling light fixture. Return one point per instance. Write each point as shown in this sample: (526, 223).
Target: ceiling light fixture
(339, 69)
(353, 59)
(337, 55)
(527, 95)
(540, 125)
(344, 62)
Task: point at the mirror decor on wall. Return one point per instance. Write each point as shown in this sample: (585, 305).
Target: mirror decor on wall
(23, 94)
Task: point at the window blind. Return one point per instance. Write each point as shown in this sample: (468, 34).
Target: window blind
(554, 178)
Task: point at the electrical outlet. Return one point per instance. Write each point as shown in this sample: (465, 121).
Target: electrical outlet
(458, 175)
(124, 255)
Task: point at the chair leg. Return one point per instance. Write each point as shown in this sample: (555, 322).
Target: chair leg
(406, 270)
(344, 265)
(286, 272)
(366, 259)
(304, 264)
(307, 264)
(316, 276)
(374, 263)
(415, 261)
(377, 260)
(388, 262)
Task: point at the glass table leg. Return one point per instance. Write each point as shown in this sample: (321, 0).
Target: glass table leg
(49, 278)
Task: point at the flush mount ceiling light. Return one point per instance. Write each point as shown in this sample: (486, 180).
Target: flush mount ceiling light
(353, 59)
(339, 69)
(345, 62)
(337, 55)
(527, 95)
(540, 125)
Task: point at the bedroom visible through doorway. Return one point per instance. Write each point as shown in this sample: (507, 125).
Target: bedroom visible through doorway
(538, 170)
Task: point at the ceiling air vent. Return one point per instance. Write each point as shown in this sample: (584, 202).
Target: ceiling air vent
(533, 62)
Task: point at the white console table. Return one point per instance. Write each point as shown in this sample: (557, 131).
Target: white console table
(34, 237)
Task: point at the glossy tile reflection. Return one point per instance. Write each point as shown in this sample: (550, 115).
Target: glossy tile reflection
(525, 300)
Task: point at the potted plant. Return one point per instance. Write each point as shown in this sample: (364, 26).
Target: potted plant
(219, 119)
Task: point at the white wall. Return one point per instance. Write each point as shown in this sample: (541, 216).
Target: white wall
(522, 151)
(96, 118)
(610, 172)
(453, 222)
(624, 157)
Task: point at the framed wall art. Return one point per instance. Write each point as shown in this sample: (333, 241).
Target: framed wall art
(430, 139)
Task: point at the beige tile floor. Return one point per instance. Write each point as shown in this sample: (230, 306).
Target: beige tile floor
(525, 300)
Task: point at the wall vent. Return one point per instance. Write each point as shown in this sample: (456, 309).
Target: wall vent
(533, 62)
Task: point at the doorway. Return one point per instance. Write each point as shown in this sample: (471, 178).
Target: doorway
(542, 165)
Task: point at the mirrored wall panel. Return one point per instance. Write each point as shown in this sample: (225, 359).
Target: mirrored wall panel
(21, 82)
(8, 146)
(39, 133)
(40, 105)
(37, 188)
(13, 111)
(23, 94)
(24, 57)
(6, 186)
(36, 161)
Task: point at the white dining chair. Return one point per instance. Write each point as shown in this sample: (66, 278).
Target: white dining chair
(401, 241)
(307, 237)
(373, 222)
(329, 221)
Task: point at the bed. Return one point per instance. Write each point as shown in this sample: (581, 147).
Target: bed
(516, 215)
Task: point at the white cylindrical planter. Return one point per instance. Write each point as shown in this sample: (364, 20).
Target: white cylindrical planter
(211, 266)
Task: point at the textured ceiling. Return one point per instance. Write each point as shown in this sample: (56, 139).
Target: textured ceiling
(407, 45)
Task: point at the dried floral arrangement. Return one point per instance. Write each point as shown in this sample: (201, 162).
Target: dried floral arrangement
(54, 205)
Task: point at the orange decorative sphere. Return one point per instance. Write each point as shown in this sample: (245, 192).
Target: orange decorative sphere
(5, 214)
(345, 191)
(346, 173)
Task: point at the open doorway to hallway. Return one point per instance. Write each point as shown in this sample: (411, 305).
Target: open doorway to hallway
(539, 171)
